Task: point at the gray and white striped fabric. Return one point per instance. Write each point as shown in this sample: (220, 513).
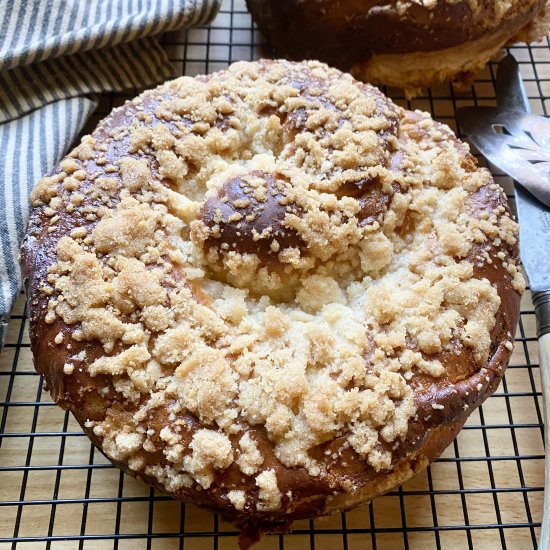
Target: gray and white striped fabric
(54, 55)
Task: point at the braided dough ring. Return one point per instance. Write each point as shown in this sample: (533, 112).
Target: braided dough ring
(271, 291)
(411, 44)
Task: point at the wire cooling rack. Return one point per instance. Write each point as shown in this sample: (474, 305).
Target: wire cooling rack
(485, 492)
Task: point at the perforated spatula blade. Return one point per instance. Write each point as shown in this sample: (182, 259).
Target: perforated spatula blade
(518, 143)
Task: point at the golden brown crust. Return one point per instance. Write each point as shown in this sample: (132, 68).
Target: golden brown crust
(351, 353)
(369, 37)
(247, 215)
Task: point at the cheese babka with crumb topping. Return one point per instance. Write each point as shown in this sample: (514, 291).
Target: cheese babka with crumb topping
(271, 291)
(411, 44)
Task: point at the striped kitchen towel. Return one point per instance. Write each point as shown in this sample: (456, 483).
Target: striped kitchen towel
(54, 55)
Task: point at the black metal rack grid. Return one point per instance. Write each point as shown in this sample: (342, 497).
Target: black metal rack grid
(58, 491)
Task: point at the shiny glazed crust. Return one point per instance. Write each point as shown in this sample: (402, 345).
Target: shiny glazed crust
(270, 291)
(405, 43)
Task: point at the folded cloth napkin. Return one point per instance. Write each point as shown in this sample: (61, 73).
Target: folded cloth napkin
(54, 55)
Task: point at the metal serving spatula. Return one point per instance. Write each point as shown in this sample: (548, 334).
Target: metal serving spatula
(518, 143)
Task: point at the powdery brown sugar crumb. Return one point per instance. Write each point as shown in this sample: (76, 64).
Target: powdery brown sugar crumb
(270, 255)
(269, 495)
(250, 458)
(210, 451)
(237, 499)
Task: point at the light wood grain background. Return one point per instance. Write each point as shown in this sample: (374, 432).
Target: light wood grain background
(54, 484)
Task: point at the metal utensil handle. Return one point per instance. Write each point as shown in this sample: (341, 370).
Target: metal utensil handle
(541, 301)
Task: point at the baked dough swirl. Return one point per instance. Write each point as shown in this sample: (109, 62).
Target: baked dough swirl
(271, 291)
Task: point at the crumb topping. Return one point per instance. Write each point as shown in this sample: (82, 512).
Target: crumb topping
(274, 246)
(269, 495)
(497, 10)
